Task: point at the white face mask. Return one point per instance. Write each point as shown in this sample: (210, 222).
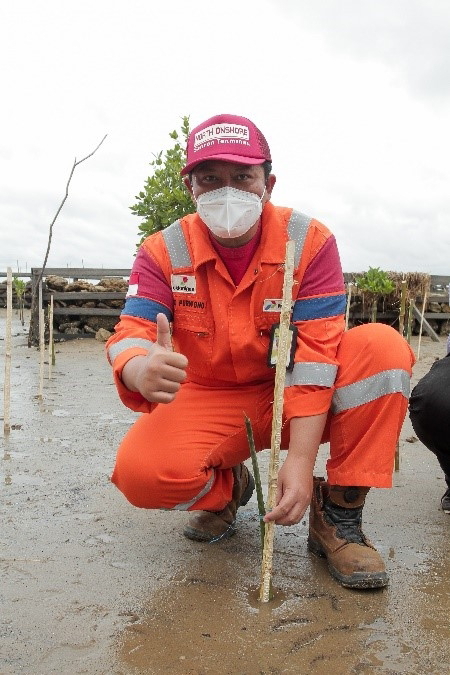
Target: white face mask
(228, 212)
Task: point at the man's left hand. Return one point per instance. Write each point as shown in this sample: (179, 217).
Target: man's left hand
(295, 484)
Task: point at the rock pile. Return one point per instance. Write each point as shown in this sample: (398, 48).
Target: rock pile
(99, 326)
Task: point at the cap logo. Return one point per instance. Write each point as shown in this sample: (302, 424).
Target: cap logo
(221, 133)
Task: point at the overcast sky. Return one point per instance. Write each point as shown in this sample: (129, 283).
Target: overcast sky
(353, 97)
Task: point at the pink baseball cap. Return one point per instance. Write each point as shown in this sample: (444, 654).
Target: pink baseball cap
(229, 138)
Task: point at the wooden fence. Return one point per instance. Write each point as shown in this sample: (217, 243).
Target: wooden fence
(440, 288)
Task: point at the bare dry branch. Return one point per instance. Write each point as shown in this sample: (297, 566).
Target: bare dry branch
(50, 234)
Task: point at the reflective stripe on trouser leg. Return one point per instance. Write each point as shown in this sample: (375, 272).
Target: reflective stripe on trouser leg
(187, 505)
(370, 388)
(369, 405)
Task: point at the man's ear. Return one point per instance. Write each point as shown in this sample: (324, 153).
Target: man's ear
(188, 185)
(270, 184)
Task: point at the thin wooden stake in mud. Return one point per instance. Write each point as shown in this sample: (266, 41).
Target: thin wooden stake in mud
(349, 297)
(421, 323)
(401, 330)
(280, 377)
(397, 457)
(401, 318)
(50, 338)
(41, 353)
(7, 384)
(409, 323)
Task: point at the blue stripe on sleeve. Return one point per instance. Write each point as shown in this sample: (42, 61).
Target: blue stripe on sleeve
(145, 309)
(319, 308)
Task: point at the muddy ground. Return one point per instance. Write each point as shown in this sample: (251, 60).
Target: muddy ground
(92, 585)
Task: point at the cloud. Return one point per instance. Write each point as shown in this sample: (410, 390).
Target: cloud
(409, 36)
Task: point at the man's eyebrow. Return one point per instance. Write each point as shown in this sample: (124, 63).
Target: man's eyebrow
(209, 166)
(205, 166)
(245, 167)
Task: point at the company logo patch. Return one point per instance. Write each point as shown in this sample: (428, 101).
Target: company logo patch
(183, 283)
(274, 305)
(133, 285)
(222, 133)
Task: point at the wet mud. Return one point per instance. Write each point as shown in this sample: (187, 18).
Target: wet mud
(92, 585)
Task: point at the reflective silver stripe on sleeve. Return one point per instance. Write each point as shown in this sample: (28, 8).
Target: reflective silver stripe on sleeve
(176, 245)
(387, 382)
(127, 343)
(297, 229)
(322, 374)
(207, 488)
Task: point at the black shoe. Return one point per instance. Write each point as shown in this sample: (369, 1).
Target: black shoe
(445, 501)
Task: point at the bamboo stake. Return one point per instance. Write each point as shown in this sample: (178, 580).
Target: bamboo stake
(401, 329)
(41, 352)
(280, 376)
(50, 338)
(421, 323)
(349, 297)
(401, 318)
(41, 304)
(412, 304)
(7, 383)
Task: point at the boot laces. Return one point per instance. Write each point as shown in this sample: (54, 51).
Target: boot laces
(347, 522)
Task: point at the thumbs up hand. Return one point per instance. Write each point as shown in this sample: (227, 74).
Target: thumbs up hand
(163, 338)
(159, 374)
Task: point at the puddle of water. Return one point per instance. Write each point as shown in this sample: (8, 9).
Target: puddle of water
(201, 626)
(208, 620)
(102, 417)
(409, 557)
(23, 479)
(62, 442)
(277, 599)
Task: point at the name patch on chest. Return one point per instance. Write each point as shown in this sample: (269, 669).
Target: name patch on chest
(274, 304)
(183, 283)
(192, 304)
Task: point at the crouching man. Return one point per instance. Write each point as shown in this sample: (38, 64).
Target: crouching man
(216, 278)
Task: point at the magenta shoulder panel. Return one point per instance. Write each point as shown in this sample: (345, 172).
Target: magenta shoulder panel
(148, 281)
(324, 272)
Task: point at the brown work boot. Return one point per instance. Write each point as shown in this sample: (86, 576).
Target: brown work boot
(335, 533)
(212, 526)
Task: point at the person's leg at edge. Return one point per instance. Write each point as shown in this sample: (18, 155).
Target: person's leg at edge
(429, 410)
(369, 406)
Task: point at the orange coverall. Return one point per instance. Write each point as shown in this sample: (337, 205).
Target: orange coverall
(179, 455)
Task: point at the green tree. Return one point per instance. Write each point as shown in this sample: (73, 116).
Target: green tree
(20, 287)
(164, 198)
(374, 284)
